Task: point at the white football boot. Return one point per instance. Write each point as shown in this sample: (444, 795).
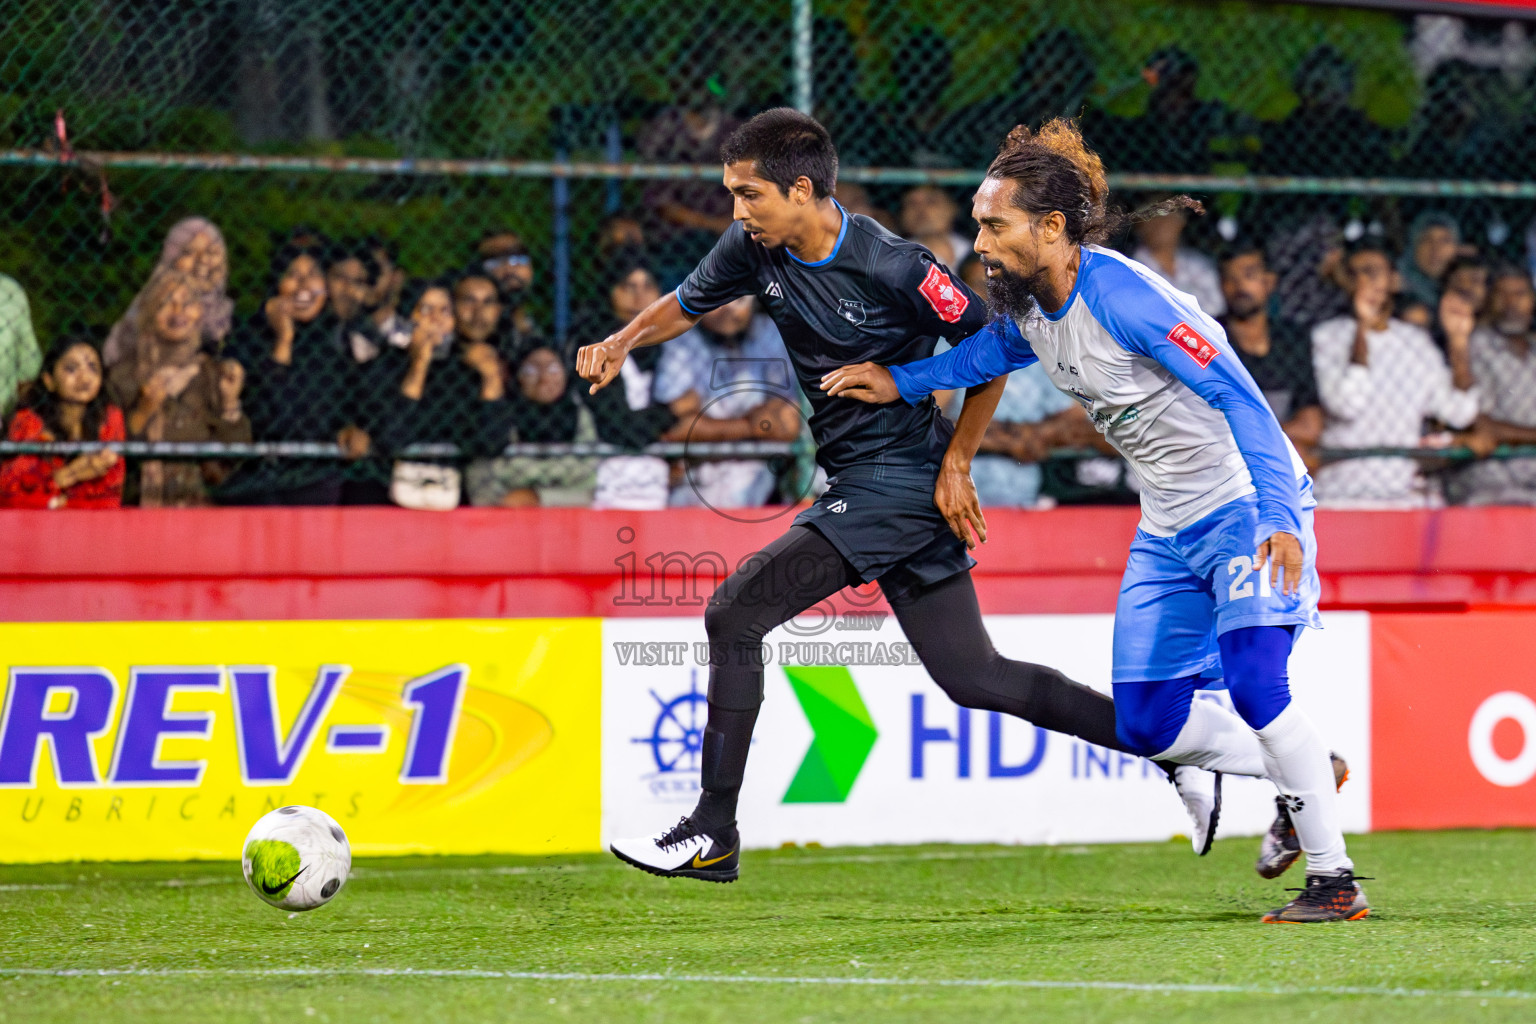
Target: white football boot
(683, 851)
(1201, 792)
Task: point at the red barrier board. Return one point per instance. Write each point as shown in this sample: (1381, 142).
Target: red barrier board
(1453, 720)
(388, 563)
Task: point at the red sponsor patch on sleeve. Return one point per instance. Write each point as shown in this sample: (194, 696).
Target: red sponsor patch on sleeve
(947, 300)
(1194, 345)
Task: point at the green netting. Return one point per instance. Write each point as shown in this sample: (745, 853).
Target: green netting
(427, 124)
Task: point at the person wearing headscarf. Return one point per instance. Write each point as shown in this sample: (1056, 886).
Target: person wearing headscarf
(194, 247)
(1434, 240)
(302, 384)
(173, 390)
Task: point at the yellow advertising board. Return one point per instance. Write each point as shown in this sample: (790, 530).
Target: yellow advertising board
(167, 740)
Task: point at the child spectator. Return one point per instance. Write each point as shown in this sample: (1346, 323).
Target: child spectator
(193, 247)
(1380, 378)
(71, 405)
(173, 390)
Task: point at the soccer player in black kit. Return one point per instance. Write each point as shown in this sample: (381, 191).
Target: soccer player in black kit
(901, 506)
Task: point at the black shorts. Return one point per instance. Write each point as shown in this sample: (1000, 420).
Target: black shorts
(883, 520)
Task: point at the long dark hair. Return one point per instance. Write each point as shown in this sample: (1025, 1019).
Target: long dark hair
(45, 403)
(1054, 170)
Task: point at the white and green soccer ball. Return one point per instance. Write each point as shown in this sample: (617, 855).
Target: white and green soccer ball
(296, 857)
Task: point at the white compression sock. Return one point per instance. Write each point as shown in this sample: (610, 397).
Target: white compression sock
(1297, 761)
(1217, 740)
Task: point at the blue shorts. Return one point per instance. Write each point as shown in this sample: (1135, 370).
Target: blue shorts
(1179, 593)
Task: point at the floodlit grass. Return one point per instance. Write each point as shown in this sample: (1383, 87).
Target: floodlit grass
(929, 933)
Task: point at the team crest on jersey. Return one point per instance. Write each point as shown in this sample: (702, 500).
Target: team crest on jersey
(947, 300)
(1194, 345)
(852, 311)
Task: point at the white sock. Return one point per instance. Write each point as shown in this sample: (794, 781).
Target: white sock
(1217, 740)
(1297, 759)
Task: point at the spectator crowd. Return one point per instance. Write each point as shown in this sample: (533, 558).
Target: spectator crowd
(1379, 360)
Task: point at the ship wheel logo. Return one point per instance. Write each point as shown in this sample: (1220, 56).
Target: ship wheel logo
(677, 738)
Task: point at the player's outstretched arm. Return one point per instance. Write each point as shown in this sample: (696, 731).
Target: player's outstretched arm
(661, 321)
(994, 351)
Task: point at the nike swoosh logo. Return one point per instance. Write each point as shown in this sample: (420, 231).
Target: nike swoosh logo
(697, 863)
(277, 890)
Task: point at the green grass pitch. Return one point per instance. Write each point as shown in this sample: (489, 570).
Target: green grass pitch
(891, 934)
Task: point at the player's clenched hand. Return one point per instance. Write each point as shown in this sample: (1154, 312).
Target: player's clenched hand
(1282, 551)
(868, 382)
(955, 496)
(600, 363)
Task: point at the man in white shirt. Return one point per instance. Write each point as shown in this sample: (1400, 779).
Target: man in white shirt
(1504, 366)
(1380, 379)
(1159, 248)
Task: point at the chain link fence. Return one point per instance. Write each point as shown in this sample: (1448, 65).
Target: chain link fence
(534, 173)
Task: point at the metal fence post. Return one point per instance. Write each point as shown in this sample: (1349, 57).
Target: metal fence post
(802, 49)
(561, 194)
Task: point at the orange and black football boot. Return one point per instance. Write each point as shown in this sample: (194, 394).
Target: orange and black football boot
(1326, 898)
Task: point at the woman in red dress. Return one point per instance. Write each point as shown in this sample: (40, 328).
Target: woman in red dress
(70, 405)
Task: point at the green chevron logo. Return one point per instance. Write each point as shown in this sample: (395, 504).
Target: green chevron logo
(843, 735)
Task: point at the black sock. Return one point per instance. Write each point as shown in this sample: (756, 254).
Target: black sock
(727, 738)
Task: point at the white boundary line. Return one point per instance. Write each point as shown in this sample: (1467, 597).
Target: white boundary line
(363, 871)
(759, 979)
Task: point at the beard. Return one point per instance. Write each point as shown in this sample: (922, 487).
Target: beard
(1513, 326)
(1244, 307)
(1012, 295)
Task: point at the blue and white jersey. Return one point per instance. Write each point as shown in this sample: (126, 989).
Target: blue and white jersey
(1162, 384)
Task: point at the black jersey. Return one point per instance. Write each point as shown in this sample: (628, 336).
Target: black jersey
(877, 298)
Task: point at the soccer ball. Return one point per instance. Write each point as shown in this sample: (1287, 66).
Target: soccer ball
(296, 858)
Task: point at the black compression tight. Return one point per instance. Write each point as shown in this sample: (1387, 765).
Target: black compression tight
(942, 620)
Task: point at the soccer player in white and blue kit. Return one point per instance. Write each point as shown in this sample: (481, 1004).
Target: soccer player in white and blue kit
(1222, 576)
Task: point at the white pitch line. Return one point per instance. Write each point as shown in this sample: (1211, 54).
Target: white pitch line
(891, 858)
(357, 872)
(761, 979)
(364, 872)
